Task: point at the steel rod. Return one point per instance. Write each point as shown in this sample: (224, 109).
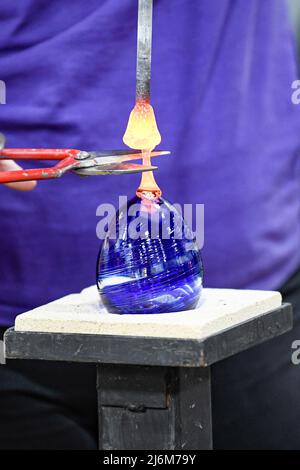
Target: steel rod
(144, 43)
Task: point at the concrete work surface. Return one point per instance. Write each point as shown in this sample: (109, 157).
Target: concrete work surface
(219, 309)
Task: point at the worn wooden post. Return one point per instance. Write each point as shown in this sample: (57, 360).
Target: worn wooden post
(144, 408)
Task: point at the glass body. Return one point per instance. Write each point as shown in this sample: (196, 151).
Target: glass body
(149, 262)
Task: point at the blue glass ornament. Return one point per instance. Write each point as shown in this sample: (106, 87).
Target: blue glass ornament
(149, 262)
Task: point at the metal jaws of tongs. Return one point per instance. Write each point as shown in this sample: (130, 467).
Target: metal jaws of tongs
(83, 163)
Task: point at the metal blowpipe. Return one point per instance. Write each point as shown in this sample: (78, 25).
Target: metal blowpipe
(144, 43)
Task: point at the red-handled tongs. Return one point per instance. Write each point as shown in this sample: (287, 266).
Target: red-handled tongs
(81, 162)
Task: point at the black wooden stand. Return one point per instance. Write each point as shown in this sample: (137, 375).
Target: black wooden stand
(153, 393)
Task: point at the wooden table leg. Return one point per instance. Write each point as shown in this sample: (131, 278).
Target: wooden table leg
(154, 408)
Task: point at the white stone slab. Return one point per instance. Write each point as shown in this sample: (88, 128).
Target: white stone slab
(82, 313)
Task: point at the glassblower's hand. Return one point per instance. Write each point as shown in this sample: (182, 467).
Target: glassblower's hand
(10, 165)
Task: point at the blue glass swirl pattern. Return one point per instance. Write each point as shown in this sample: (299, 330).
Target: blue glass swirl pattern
(158, 271)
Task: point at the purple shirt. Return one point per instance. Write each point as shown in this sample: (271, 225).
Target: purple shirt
(221, 88)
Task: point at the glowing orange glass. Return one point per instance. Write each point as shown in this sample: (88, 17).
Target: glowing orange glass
(142, 134)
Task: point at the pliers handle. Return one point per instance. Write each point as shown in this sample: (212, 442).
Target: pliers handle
(69, 159)
(37, 154)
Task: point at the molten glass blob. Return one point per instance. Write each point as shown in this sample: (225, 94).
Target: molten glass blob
(142, 132)
(149, 261)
